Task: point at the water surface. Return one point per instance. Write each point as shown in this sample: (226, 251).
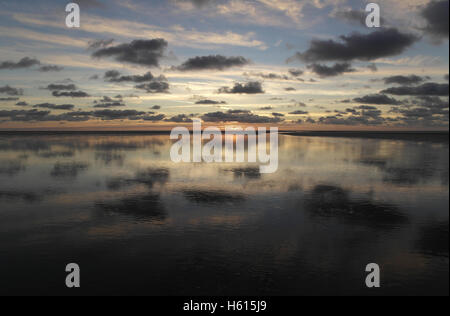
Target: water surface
(137, 223)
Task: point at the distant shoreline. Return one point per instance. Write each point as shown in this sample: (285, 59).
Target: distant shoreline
(441, 136)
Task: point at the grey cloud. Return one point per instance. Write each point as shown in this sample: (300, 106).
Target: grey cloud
(335, 70)
(101, 43)
(405, 80)
(157, 85)
(9, 99)
(71, 94)
(206, 101)
(269, 76)
(436, 15)
(181, 118)
(357, 46)
(11, 91)
(54, 106)
(239, 116)
(50, 68)
(115, 76)
(212, 62)
(61, 87)
(432, 89)
(139, 52)
(25, 62)
(253, 87)
(296, 72)
(377, 99)
(22, 103)
(299, 112)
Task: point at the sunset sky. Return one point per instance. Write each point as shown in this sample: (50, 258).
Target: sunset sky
(289, 63)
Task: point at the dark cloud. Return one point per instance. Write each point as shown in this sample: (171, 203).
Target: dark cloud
(253, 87)
(299, 112)
(377, 99)
(405, 80)
(157, 85)
(9, 99)
(139, 52)
(290, 89)
(357, 46)
(206, 101)
(181, 118)
(335, 70)
(101, 43)
(117, 114)
(11, 91)
(115, 76)
(61, 87)
(266, 108)
(277, 114)
(71, 94)
(156, 107)
(54, 106)
(50, 68)
(240, 116)
(432, 89)
(436, 15)
(296, 72)
(111, 104)
(25, 62)
(212, 62)
(24, 116)
(269, 76)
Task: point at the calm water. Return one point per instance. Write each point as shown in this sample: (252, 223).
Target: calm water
(137, 223)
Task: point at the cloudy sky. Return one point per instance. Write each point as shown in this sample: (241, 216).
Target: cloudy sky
(157, 64)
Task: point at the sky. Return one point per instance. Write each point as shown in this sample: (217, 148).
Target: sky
(153, 65)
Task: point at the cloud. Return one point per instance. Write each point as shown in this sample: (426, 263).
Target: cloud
(22, 103)
(277, 114)
(296, 72)
(269, 76)
(61, 87)
(206, 101)
(405, 80)
(436, 15)
(71, 94)
(336, 70)
(54, 106)
(212, 62)
(431, 89)
(156, 107)
(377, 99)
(299, 112)
(101, 43)
(115, 76)
(240, 116)
(357, 46)
(139, 52)
(253, 87)
(9, 99)
(49, 68)
(181, 118)
(25, 62)
(11, 91)
(157, 85)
